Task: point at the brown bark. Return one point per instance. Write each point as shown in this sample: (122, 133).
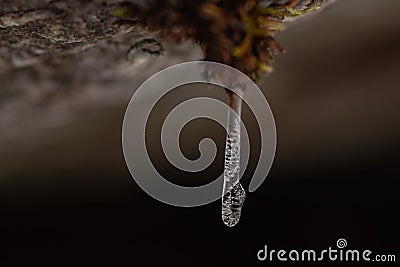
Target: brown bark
(33, 30)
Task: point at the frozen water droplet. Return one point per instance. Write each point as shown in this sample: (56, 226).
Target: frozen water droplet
(233, 193)
(232, 203)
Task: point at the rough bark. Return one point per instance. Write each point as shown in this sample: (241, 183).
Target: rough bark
(33, 30)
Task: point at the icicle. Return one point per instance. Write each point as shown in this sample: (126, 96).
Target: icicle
(233, 192)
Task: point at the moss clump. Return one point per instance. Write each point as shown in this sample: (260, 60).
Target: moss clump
(239, 33)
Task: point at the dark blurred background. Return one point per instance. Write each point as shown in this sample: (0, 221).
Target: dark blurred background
(67, 198)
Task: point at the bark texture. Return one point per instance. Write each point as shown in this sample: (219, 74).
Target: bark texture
(33, 30)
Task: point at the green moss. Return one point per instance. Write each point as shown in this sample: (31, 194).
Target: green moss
(121, 12)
